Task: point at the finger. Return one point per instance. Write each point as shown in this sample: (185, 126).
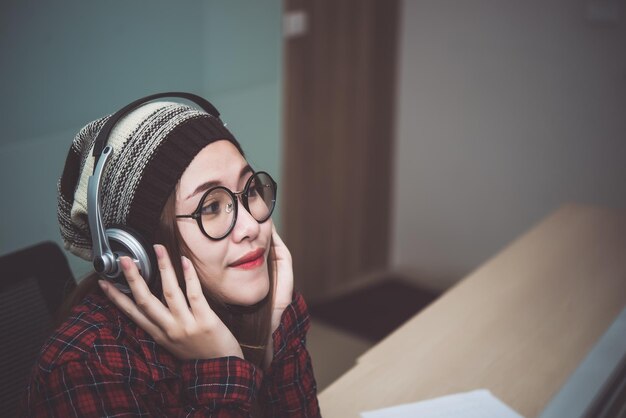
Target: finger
(126, 305)
(149, 304)
(278, 241)
(282, 252)
(199, 305)
(275, 235)
(172, 293)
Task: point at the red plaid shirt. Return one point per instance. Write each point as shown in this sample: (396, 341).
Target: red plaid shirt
(99, 363)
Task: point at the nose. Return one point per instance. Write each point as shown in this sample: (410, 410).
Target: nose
(245, 225)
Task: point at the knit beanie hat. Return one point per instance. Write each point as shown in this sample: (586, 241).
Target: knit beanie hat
(152, 146)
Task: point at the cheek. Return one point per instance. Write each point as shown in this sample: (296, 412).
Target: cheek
(209, 256)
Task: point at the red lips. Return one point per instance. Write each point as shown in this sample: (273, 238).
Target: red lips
(250, 260)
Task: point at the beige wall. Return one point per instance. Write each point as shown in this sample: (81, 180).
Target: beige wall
(506, 109)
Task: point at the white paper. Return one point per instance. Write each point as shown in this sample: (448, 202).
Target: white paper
(475, 404)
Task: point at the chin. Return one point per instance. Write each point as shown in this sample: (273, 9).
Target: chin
(250, 293)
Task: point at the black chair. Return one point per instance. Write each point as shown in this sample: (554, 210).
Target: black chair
(33, 283)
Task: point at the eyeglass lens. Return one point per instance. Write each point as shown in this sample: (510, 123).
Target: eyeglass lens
(218, 208)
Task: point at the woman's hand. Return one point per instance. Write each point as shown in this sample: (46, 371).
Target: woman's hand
(188, 331)
(284, 288)
(284, 278)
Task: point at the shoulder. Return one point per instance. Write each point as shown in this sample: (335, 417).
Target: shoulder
(92, 323)
(97, 331)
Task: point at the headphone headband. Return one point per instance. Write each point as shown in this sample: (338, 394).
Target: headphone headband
(103, 135)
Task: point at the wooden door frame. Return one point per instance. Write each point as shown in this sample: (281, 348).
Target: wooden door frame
(339, 81)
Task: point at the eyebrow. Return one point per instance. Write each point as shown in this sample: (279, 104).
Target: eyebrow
(207, 185)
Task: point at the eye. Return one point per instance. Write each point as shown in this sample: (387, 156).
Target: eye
(252, 191)
(211, 207)
(256, 189)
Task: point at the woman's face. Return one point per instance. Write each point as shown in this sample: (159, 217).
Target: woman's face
(218, 263)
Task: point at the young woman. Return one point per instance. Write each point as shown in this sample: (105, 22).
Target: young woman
(220, 331)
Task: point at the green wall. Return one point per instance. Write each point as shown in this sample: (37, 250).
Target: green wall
(67, 63)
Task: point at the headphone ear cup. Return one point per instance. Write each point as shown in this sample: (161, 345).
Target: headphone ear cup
(126, 242)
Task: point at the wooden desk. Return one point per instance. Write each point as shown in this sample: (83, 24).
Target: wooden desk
(519, 325)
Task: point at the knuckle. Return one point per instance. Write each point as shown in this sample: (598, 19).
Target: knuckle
(207, 327)
(142, 303)
(173, 334)
(209, 323)
(194, 296)
(158, 338)
(168, 293)
(189, 332)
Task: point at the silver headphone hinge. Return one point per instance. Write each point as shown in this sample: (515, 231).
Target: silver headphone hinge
(104, 261)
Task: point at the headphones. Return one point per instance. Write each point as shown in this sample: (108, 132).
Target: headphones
(109, 244)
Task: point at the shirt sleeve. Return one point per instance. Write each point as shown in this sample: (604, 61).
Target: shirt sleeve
(289, 388)
(223, 387)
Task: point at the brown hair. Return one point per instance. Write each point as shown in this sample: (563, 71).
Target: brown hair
(249, 325)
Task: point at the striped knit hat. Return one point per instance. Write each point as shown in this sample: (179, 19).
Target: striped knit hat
(152, 146)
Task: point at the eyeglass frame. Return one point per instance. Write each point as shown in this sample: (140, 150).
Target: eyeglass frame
(236, 197)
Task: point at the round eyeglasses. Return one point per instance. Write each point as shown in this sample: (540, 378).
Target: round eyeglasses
(216, 213)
